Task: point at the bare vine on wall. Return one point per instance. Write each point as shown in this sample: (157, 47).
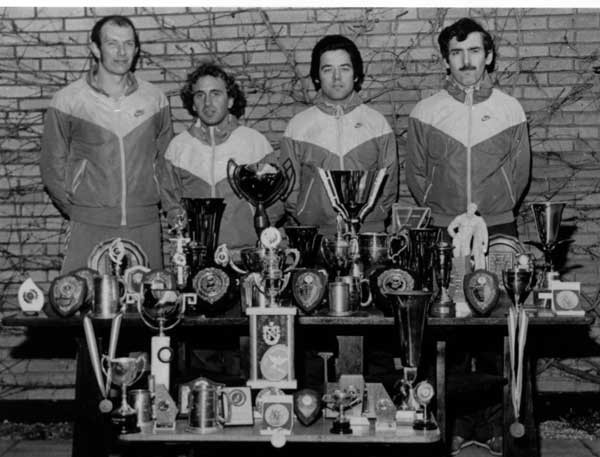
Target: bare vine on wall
(273, 68)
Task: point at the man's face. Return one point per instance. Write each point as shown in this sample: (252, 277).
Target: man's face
(211, 100)
(336, 74)
(467, 59)
(117, 49)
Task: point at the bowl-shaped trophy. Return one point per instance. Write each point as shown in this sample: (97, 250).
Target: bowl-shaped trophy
(341, 400)
(124, 372)
(353, 193)
(547, 217)
(261, 184)
(518, 284)
(306, 239)
(337, 254)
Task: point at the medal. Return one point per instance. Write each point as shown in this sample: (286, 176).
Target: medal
(517, 328)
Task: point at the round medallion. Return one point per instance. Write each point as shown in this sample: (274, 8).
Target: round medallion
(211, 284)
(274, 363)
(424, 392)
(276, 415)
(566, 299)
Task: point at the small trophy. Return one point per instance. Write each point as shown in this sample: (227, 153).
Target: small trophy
(442, 305)
(161, 309)
(124, 372)
(424, 393)
(261, 184)
(519, 281)
(482, 291)
(341, 400)
(31, 298)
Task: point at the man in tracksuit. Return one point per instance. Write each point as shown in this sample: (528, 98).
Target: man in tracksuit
(469, 143)
(102, 150)
(339, 132)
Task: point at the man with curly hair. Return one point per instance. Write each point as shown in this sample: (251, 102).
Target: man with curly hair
(199, 155)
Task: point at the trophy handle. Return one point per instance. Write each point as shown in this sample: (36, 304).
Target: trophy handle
(140, 362)
(364, 285)
(226, 405)
(231, 173)
(141, 312)
(285, 279)
(402, 238)
(181, 302)
(295, 255)
(381, 173)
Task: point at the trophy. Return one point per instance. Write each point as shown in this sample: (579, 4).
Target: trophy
(547, 217)
(31, 298)
(341, 400)
(308, 283)
(124, 372)
(338, 254)
(67, 294)
(352, 193)
(519, 281)
(161, 309)
(410, 314)
(377, 249)
(442, 305)
(421, 246)
(210, 282)
(261, 184)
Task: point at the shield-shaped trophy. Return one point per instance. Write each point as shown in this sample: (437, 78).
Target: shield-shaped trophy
(67, 294)
(261, 184)
(308, 283)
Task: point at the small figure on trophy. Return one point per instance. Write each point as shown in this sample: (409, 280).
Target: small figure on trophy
(470, 241)
(180, 241)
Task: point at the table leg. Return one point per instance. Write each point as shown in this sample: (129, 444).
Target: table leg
(440, 384)
(350, 356)
(528, 445)
(91, 432)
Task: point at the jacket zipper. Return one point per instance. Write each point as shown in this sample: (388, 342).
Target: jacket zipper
(123, 184)
(339, 112)
(213, 146)
(469, 103)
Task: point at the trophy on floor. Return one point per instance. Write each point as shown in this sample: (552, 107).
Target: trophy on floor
(261, 184)
(210, 282)
(161, 308)
(410, 315)
(124, 372)
(442, 305)
(308, 283)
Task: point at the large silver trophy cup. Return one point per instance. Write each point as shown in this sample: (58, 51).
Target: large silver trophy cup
(352, 193)
(261, 184)
(410, 315)
(547, 217)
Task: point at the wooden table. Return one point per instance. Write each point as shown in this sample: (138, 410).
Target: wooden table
(404, 440)
(90, 441)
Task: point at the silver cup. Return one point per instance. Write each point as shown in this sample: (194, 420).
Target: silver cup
(108, 292)
(339, 303)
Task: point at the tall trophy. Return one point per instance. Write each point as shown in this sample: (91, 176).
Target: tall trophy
(352, 193)
(261, 184)
(124, 372)
(422, 245)
(547, 217)
(410, 315)
(161, 308)
(210, 282)
(442, 305)
(308, 283)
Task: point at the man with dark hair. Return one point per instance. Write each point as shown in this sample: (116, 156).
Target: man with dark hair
(103, 150)
(338, 132)
(199, 155)
(468, 144)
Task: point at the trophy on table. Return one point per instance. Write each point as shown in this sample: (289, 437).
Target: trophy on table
(422, 246)
(161, 308)
(442, 305)
(261, 184)
(410, 315)
(519, 281)
(124, 372)
(210, 282)
(341, 400)
(308, 283)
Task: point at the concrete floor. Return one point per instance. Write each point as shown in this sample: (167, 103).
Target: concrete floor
(58, 448)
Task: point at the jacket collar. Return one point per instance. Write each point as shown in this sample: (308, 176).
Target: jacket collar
(481, 91)
(221, 132)
(337, 110)
(92, 81)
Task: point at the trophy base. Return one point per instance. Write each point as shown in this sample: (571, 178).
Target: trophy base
(341, 428)
(125, 423)
(424, 425)
(443, 309)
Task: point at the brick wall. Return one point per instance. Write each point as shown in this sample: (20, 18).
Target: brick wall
(546, 58)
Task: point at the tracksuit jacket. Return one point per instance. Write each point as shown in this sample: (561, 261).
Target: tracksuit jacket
(199, 157)
(333, 137)
(468, 147)
(102, 159)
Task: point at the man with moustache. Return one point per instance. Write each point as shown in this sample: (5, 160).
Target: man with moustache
(102, 158)
(468, 144)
